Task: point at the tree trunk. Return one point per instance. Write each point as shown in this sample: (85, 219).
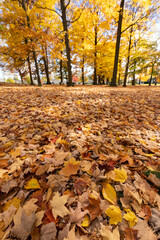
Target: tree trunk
(30, 70)
(37, 69)
(134, 75)
(119, 79)
(95, 58)
(155, 81)
(83, 71)
(61, 69)
(68, 50)
(20, 74)
(150, 81)
(46, 70)
(114, 78)
(34, 53)
(128, 59)
(103, 81)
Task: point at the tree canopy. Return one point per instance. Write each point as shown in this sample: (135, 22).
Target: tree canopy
(95, 39)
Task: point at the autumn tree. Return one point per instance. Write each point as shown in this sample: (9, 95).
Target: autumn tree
(147, 11)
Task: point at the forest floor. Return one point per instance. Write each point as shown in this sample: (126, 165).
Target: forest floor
(79, 163)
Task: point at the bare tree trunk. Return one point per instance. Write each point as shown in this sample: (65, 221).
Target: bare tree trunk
(95, 58)
(30, 70)
(61, 69)
(155, 81)
(37, 69)
(83, 71)
(20, 74)
(134, 75)
(119, 79)
(46, 70)
(68, 50)
(34, 53)
(45, 59)
(150, 81)
(83, 63)
(128, 59)
(114, 78)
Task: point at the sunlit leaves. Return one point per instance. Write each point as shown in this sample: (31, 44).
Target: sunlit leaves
(115, 214)
(109, 193)
(32, 184)
(130, 217)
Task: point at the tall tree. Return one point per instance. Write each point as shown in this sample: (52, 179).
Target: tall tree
(118, 40)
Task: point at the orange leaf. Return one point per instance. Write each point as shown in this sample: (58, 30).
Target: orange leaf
(71, 167)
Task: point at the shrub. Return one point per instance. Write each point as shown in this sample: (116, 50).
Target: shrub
(10, 80)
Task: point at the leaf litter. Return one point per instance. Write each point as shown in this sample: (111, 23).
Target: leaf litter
(79, 163)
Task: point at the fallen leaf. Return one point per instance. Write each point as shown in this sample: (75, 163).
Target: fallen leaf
(48, 231)
(86, 222)
(64, 233)
(145, 212)
(58, 205)
(119, 175)
(32, 184)
(107, 234)
(2, 172)
(115, 214)
(30, 206)
(144, 231)
(14, 201)
(109, 193)
(42, 169)
(3, 163)
(71, 167)
(23, 224)
(130, 217)
(39, 216)
(71, 235)
(131, 234)
(7, 186)
(7, 216)
(49, 149)
(93, 208)
(76, 215)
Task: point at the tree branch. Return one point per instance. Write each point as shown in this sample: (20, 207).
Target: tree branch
(68, 3)
(139, 19)
(77, 17)
(49, 9)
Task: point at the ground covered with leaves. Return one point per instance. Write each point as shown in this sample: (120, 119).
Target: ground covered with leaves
(79, 163)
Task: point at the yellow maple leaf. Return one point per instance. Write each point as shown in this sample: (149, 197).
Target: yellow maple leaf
(119, 175)
(109, 193)
(32, 184)
(86, 222)
(115, 214)
(130, 217)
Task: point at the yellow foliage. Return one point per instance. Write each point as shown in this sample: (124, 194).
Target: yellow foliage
(32, 184)
(130, 217)
(115, 214)
(119, 175)
(85, 222)
(109, 193)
